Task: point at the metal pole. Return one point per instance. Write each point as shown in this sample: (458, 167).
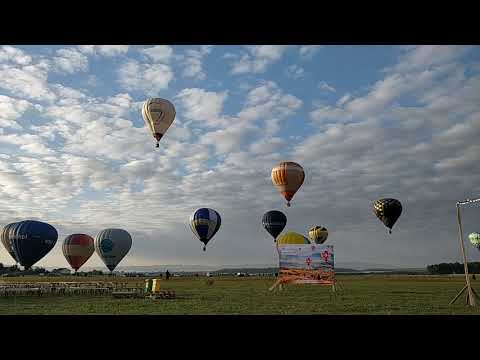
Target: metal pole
(471, 299)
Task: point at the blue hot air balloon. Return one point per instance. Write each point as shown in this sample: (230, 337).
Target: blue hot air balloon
(205, 223)
(274, 222)
(31, 240)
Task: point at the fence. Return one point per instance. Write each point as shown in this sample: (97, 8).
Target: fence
(61, 288)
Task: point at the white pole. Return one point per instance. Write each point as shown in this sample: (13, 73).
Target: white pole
(471, 299)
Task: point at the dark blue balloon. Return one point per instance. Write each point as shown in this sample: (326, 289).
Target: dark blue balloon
(31, 240)
(274, 222)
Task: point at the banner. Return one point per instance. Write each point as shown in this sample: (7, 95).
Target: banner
(306, 264)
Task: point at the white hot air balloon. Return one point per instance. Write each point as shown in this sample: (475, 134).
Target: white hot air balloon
(158, 115)
(112, 245)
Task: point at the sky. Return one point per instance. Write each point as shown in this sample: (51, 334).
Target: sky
(365, 122)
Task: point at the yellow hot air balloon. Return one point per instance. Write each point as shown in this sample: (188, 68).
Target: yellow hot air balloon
(287, 177)
(318, 234)
(158, 115)
(292, 238)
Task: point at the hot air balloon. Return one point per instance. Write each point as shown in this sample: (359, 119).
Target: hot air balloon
(112, 245)
(274, 222)
(205, 223)
(475, 239)
(288, 176)
(31, 240)
(158, 115)
(388, 211)
(318, 234)
(77, 249)
(292, 238)
(5, 238)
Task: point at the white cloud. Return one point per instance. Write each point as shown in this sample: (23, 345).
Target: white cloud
(294, 71)
(422, 57)
(70, 61)
(324, 86)
(343, 99)
(202, 105)
(258, 58)
(14, 55)
(12, 109)
(150, 78)
(193, 62)
(412, 135)
(104, 50)
(307, 51)
(267, 100)
(159, 53)
(29, 81)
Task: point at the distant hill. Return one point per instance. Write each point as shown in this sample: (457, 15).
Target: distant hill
(339, 268)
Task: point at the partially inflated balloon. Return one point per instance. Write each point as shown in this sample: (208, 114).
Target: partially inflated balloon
(292, 238)
(158, 114)
(274, 222)
(388, 211)
(287, 177)
(5, 238)
(31, 240)
(318, 234)
(205, 223)
(112, 245)
(475, 239)
(77, 249)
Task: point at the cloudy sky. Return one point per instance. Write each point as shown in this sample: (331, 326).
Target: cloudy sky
(365, 122)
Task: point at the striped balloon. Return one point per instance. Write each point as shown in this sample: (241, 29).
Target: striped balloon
(77, 249)
(205, 223)
(287, 177)
(5, 238)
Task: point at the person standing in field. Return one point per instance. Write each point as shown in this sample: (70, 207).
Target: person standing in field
(167, 275)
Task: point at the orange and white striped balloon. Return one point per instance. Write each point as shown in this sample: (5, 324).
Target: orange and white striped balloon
(77, 249)
(287, 177)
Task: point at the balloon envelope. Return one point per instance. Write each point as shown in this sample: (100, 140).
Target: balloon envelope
(318, 234)
(31, 240)
(287, 177)
(77, 249)
(205, 223)
(292, 238)
(274, 222)
(388, 211)
(112, 245)
(5, 238)
(158, 114)
(475, 239)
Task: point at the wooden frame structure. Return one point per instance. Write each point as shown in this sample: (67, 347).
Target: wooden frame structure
(313, 277)
(471, 294)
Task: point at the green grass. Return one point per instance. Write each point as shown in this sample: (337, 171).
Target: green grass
(376, 294)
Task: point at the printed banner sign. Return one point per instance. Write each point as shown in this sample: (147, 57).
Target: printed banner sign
(306, 264)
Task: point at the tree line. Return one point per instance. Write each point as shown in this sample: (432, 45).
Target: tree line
(454, 268)
(15, 270)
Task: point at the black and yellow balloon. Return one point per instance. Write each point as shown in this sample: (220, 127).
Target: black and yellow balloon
(318, 234)
(388, 211)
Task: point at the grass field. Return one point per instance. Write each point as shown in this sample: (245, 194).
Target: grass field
(375, 294)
